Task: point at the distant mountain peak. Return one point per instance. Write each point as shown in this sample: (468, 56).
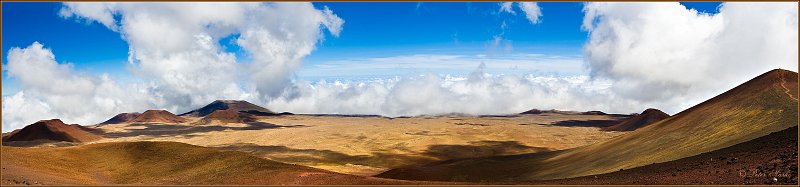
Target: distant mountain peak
(161, 116)
(235, 105)
(122, 118)
(647, 117)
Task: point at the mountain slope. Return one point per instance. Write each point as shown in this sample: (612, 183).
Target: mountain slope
(54, 130)
(773, 155)
(754, 109)
(122, 118)
(154, 163)
(227, 116)
(647, 117)
(158, 116)
(234, 105)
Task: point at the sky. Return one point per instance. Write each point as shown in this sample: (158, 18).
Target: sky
(85, 62)
(372, 30)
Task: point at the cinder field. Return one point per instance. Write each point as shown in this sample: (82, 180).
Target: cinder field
(368, 145)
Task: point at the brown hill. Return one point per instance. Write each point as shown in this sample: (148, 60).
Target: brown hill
(160, 163)
(158, 116)
(227, 116)
(8, 134)
(54, 130)
(763, 105)
(234, 105)
(122, 118)
(534, 111)
(770, 159)
(647, 117)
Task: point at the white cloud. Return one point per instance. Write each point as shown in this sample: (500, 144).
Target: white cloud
(477, 93)
(177, 44)
(100, 12)
(53, 90)
(669, 55)
(175, 48)
(278, 50)
(507, 7)
(531, 9)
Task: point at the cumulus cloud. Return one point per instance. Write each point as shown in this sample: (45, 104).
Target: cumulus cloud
(175, 48)
(177, 44)
(531, 10)
(53, 90)
(666, 54)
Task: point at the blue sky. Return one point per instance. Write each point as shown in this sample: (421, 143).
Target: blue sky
(371, 30)
(392, 59)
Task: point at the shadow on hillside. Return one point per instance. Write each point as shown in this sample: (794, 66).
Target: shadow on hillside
(39, 143)
(385, 159)
(172, 130)
(316, 156)
(480, 149)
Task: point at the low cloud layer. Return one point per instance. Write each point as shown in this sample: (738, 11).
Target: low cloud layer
(477, 93)
(638, 55)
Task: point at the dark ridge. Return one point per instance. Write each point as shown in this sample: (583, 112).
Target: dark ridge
(593, 112)
(647, 117)
(234, 105)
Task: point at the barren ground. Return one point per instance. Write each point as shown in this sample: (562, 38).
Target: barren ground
(365, 145)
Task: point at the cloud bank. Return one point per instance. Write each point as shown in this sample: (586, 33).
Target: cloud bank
(477, 93)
